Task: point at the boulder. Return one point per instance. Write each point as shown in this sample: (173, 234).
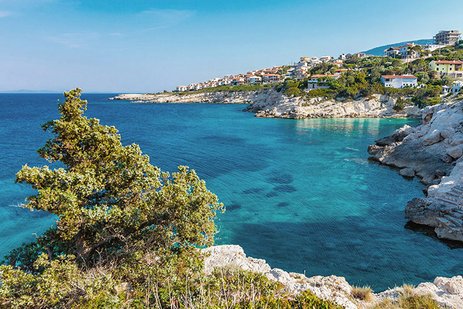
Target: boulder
(455, 152)
(432, 138)
(407, 172)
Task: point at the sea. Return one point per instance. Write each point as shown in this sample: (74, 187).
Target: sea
(300, 194)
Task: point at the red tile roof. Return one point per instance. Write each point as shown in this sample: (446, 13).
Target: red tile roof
(398, 76)
(322, 75)
(449, 62)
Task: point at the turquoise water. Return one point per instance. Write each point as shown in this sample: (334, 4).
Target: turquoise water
(300, 193)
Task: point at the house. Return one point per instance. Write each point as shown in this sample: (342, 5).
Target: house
(393, 52)
(445, 90)
(359, 55)
(238, 81)
(270, 78)
(456, 86)
(447, 37)
(326, 58)
(254, 79)
(319, 81)
(450, 68)
(399, 81)
(182, 88)
(407, 51)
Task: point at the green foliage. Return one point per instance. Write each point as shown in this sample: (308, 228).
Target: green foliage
(232, 88)
(292, 88)
(108, 198)
(430, 95)
(399, 105)
(321, 93)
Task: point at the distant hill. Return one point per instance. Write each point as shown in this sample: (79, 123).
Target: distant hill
(379, 51)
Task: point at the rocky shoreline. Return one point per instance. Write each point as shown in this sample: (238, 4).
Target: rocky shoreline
(448, 292)
(432, 152)
(270, 103)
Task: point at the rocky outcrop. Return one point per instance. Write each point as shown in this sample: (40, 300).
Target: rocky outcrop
(448, 292)
(274, 104)
(376, 106)
(224, 97)
(433, 152)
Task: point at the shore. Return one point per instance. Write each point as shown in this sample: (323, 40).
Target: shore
(433, 152)
(448, 292)
(270, 103)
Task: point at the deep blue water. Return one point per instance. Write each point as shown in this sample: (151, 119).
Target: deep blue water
(300, 193)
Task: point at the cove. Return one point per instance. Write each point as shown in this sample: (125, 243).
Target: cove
(299, 193)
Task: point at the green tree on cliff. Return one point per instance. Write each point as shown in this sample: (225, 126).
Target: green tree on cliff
(109, 200)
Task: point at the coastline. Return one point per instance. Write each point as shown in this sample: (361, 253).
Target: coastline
(270, 103)
(433, 152)
(448, 292)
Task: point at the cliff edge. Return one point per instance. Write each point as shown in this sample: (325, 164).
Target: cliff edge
(433, 152)
(448, 292)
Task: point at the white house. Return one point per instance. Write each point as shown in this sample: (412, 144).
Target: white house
(270, 78)
(456, 86)
(254, 79)
(399, 81)
(404, 52)
(182, 88)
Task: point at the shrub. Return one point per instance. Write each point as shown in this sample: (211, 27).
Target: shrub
(362, 293)
(399, 105)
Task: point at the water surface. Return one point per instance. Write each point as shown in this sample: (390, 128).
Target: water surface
(300, 193)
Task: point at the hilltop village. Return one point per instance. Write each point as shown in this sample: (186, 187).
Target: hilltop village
(401, 67)
(398, 83)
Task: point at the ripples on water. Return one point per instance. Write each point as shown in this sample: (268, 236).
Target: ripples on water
(300, 193)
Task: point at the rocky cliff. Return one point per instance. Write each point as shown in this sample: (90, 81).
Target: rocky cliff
(278, 105)
(448, 292)
(271, 103)
(228, 97)
(433, 152)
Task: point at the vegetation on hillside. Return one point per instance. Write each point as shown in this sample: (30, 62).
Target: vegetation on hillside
(126, 235)
(230, 88)
(361, 77)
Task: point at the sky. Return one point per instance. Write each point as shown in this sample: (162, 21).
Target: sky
(152, 45)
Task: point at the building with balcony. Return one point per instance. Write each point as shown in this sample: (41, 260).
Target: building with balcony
(449, 68)
(447, 37)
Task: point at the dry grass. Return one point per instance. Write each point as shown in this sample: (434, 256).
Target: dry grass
(409, 300)
(362, 293)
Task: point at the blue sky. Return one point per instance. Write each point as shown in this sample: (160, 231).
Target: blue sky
(151, 45)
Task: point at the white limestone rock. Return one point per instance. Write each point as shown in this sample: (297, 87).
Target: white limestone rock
(448, 292)
(433, 151)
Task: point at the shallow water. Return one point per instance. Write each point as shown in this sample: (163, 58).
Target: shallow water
(300, 193)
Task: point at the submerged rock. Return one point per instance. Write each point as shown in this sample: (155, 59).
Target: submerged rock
(448, 292)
